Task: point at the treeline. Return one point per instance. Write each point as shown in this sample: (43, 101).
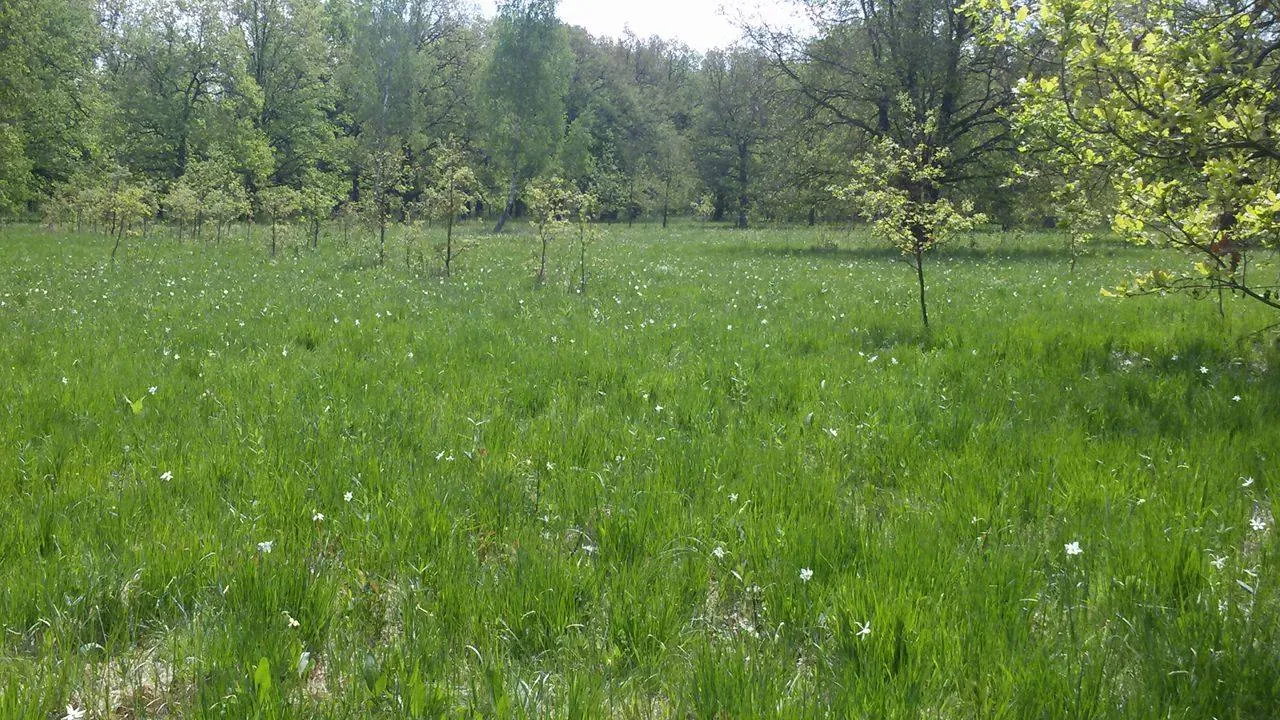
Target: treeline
(205, 112)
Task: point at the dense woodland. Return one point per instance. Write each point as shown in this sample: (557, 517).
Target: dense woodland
(924, 117)
(213, 107)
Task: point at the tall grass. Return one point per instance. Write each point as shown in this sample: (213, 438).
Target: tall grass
(316, 487)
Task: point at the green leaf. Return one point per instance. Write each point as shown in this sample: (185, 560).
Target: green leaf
(262, 679)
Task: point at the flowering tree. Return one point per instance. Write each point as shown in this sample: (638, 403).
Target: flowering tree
(1177, 103)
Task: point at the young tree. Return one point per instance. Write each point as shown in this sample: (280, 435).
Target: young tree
(1177, 103)
(210, 190)
(585, 208)
(279, 202)
(321, 193)
(183, 205)
(900, 189)
(524, 87)
(455, 192)
(387, 180)
(122, 204)
(552, 203)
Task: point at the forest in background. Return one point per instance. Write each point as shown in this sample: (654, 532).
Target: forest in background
(212, 108)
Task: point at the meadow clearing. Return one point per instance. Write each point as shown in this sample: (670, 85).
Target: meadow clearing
(735, 478)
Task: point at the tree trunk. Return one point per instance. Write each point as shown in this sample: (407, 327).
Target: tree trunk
(448, 248)
(510, 207)
(542, 267)
(666, 202)
(582, 246)
(924, 307)
(273, 237)
(119, 236)
(382, 238)
(744, 202)
(631, 202)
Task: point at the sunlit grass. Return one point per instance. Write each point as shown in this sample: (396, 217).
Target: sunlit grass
(736, 478)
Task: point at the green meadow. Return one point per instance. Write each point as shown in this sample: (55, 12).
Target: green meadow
(734, 478)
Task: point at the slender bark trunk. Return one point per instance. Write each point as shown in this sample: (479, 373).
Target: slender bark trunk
(666, 201)
(119, 236)
(582, 246)
(631, 202)
(924, 307)
(382, 238)
(744, 201)
(273, 237)
(542, 266)
(448, 248)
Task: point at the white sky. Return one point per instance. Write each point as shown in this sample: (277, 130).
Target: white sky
(702, 24)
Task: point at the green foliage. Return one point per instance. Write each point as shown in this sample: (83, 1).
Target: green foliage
(552, 204)
(1176, 104)
(279, 202)
(900, 189)
(734, 123)
(183, 205)
(524, 86)
(897, 188)
(46, 96)
(455, 191)
(210, 191)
